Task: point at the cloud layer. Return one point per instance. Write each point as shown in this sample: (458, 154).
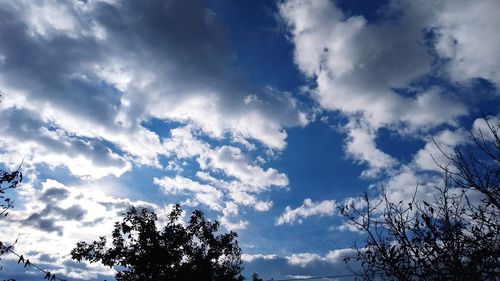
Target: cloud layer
(82, 80)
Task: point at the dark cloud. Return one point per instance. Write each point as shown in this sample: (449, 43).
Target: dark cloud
(182, 31)
(48, 225)
(75, 212)
(53, 68)
(48, 217)
(27, 126)
(58, 67)
(54, 194)
(94, 222)
(46, 258)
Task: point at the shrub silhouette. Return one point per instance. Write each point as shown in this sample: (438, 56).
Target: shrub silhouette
(177, 252)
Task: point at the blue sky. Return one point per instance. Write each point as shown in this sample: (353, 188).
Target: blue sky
(264, 114)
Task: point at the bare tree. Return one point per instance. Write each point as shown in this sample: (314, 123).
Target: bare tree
(455, 236)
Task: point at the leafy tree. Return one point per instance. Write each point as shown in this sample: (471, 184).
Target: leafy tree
(456, 236)
(177, 252)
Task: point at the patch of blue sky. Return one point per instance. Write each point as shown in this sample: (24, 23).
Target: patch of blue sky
(320, 172)
(483, 96)
(317, 234)
(262, 53)
(401, 147)
(161, 127)
(139, 182)
(60, 173)
(372, 11)
(316, 164)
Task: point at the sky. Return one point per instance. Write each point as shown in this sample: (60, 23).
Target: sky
(264, 114)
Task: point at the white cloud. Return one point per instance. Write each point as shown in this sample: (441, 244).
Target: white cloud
(337, 256)
(49, 17)
(250, 258)
(307, 209)
(226, 169)
(467, 37)
(436, 150)
(361, 146)
(483, 127)
(303, 259)
(377, 74)
(356, 65)
(91, 91)
(332, 257)
(233, 226)
(205, 194)
(27, 137)
(234, 163)
(96, 83)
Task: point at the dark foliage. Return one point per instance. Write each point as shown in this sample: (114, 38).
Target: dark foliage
(177, 252)
(454, 237)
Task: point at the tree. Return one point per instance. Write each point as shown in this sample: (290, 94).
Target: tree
(177, 252)
(456, 236)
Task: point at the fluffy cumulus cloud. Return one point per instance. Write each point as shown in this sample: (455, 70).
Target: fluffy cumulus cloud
(81, 80)
(436, 150)
(361, 146)
(227, 179)
(373, 72)
(332, 257)
(303, 259)
(410, 72)
(307, 209)
(95, 71)
(205, 194)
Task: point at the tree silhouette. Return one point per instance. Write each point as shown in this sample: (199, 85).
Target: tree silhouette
(454, 237)
(177, 252)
